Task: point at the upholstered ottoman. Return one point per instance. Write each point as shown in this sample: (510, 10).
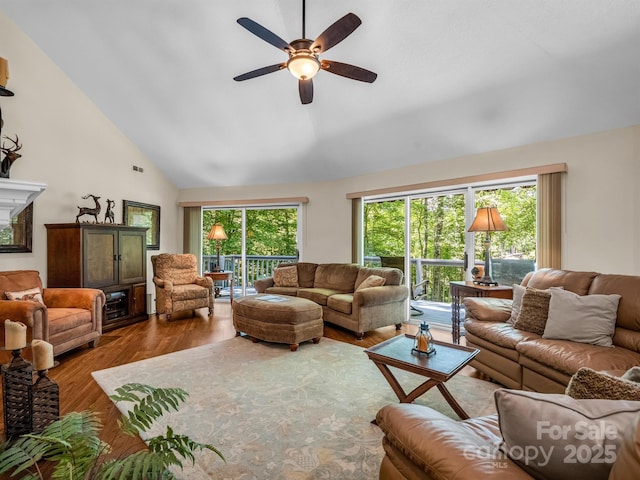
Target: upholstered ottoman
(279, 319)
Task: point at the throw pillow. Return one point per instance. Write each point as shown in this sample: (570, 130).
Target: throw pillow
(555, 436)
(583, 319)
(286, 276)
(533, 311)
(518, 292)
(372, 281)
(33, 294)
(586, 383)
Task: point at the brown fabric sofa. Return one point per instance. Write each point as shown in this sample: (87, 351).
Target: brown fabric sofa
(334, 286)
(178, 285)
(521, 359)
(68, 318)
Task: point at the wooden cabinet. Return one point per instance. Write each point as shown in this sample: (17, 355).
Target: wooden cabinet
(109, 257)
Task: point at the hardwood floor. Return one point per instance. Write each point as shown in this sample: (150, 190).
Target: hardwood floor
(156, 336)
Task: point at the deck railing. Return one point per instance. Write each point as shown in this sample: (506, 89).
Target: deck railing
(439, 272)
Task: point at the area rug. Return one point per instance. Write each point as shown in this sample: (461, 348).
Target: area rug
(277, 414)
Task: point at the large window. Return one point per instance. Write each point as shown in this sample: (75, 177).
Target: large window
(429, 231)
(258, 239)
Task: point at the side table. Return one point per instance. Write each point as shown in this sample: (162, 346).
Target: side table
(221, 277)
(459, 290)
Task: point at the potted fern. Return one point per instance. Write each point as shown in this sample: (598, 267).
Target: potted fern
(72, 446)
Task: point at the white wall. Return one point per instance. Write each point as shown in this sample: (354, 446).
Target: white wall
(73, 148)
(602, 207)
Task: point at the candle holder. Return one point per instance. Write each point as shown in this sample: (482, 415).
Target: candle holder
(45, 402)
(423, 344)
(17, 380)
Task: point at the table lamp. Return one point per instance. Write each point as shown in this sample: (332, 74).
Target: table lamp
(487, 220)
(218, 234)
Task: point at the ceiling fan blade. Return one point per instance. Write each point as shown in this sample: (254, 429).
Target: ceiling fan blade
(305, 87)
(265, 34)
(260, 71)
(336, 32)
(349, 71)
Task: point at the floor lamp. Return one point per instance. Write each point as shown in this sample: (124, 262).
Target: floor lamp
(218, 234)
(487, 220)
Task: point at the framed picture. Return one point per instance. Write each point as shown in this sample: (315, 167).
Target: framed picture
(16, 238)
(136, 214)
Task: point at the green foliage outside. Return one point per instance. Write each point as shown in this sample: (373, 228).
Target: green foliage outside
(438, 232)
(269, 231)
(70, 448)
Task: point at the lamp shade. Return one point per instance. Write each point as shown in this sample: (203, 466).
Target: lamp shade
(487, 220)
(217, 232)
(4, 77)
(303, 65)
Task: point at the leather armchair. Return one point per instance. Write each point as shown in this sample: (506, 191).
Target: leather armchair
(178, 285)
(67, 318)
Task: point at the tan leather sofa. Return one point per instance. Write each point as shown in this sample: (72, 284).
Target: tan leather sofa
(334, 286)
(421, 443)
(525, 360)
(68, 318)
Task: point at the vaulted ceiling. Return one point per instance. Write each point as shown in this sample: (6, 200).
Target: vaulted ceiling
(455, 77)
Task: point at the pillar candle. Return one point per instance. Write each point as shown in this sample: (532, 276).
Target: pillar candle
(42, 355)
(15, 335)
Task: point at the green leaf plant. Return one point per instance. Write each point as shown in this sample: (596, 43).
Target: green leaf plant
(73, 448)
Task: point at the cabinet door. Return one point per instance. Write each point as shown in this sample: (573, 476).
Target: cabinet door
(132, 256)
(100, 267)
(139, 299)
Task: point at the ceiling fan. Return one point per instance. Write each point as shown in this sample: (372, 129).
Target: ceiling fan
(303, 62)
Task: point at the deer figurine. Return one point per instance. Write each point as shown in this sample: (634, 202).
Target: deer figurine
(108, 215)
(89, 211)
(11, 155)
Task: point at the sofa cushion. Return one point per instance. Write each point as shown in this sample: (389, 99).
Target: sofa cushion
(516, 304)
(341, 302)
(487, 309)
(567, 357)
(581, 318)
(62, 319)
(499, 333)
(533, 311)
(32, 294)
(179, 268)
(188, 292)
(340, 277)
(318, 295)
(555, 436)
(286, 276)
(577, 282)
(628, 318)
(392, 276)
(17, 280)
(291, 291)
(589, 384)
(371, 281)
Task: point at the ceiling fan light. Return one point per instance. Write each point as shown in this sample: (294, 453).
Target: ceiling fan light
(303, 65)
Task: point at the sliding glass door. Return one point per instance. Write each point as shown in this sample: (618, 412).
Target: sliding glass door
(429, 233)
(258, 239)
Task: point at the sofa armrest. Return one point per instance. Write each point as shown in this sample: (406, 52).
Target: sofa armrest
(166, 284)
(367, 297)
(32, 314)
(488, 309)
(446, 448)
(262, 284)
(87, 298)
(206, 282)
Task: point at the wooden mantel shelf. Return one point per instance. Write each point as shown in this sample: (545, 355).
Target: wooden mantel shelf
(15, 196)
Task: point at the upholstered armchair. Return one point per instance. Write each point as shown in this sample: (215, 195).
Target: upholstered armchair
(65, 317)
(178, 285)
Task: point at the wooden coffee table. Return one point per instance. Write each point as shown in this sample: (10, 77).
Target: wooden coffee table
(439, 368)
